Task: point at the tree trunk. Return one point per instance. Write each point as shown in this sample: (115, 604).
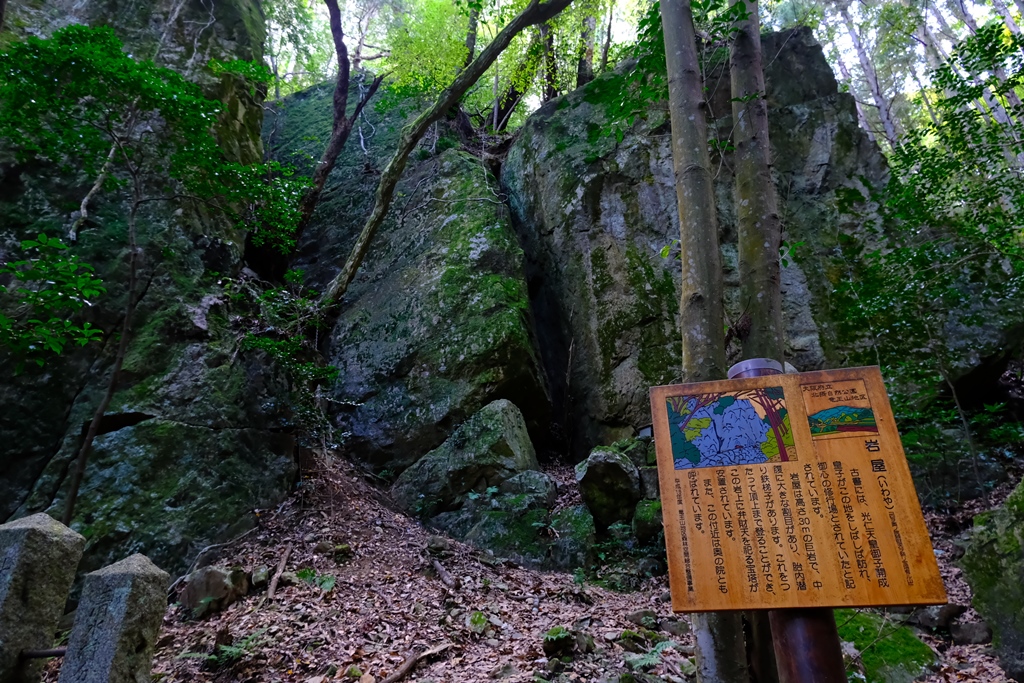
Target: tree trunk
(721, 656)
(534, 13)
(861, 117)
(550, 90)
(871, 76)
(585, 66)
(342, 124)
(272, 55)
(1008, 19)
(924, 98)
(471, 31)
(607, 38)
(3, 11)
(522, 79)
(757, 215)
(703, 342)
(759, 231)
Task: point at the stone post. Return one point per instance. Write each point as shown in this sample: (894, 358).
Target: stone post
(38, 559)
(117, 623)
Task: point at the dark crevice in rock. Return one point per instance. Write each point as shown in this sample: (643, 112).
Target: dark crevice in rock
(266, 261)
(111, 422)
(553, 340)
(981, 385)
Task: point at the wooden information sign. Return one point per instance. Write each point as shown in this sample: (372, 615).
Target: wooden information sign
(789, 491)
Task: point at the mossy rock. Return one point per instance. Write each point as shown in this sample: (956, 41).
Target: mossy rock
(483, 453)
(647, 522)
(518, 537)
(197, 435)
(165, 488)
(890, 653)
(610, 485)
(595, 209)
(528, 490)
(436, 323)
(575, 535)
(993, 565)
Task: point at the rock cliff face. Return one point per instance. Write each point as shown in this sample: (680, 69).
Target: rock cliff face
(437, 323)
(593, 215)
(195, 438)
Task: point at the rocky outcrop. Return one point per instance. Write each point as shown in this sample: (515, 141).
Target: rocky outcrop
(436, 324)
(483, 486)
(197, 436)
(593, 214)
(483, 454)
(994, 566)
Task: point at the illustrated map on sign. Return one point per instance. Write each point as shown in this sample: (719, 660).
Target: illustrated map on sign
(730, 428)
(839, 409)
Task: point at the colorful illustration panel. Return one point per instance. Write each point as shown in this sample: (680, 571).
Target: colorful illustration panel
(731, 428)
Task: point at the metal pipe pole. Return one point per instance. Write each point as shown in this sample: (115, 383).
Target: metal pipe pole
(807, 646)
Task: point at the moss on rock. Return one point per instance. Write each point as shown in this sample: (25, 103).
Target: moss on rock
(890, 653)
(610, 485)
(484, 452)
(993, 565)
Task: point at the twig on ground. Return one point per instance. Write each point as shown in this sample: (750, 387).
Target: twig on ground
(446, 578)
(412, 660)
(277, 573)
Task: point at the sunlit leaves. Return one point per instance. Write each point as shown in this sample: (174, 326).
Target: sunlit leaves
(428, 50)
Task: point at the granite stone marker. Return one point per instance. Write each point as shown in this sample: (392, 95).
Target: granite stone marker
(38, 559)
(117, 623)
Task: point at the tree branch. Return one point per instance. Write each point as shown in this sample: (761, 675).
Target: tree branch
(534, 13)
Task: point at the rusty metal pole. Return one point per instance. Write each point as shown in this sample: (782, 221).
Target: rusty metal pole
(806, 640)
(807, 645)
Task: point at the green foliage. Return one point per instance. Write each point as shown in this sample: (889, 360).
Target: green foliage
(943, 256)
(650, 658)
(646, 85)
(325, 582)
(427, 50)
(558, 635)
(46, 290)
(225, 656)
(489, 493)
(280, 322)
(254, 73)
(298, 47)
(287, 352)
(78, 101)
(478, 622)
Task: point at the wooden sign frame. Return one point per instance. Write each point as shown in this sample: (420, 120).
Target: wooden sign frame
(829, 518)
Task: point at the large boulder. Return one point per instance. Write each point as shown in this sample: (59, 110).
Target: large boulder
(610, 485)
(593, 214)
(994, 567)
(482, 454)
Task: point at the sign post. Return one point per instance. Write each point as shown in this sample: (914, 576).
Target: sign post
(790, 493)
